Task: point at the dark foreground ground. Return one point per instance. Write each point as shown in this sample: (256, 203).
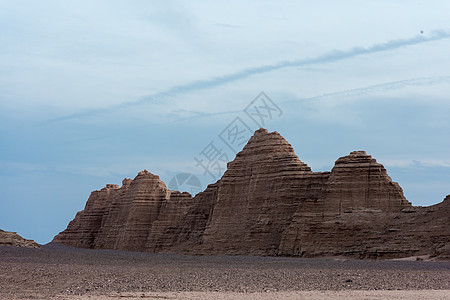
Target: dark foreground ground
(62, 271)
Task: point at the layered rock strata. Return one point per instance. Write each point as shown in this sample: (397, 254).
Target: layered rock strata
(258, 195)
(141, 215)
(268, 202)
(13, 239)
(357, 196)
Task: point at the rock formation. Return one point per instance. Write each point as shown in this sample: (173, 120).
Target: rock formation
(268, 202)
(356, 195)
(13, 239)
(258, 195)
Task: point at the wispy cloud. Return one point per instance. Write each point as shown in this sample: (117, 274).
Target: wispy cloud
(367, 90)
(328, 57)
(386, 86)
(175, 117)
(415, 163)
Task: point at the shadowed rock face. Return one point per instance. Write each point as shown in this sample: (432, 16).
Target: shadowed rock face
(356, 196)
(268, 202)
(359, 181)
(15, 240)
(142, 215)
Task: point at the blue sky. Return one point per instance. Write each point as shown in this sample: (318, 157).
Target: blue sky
(92, 92)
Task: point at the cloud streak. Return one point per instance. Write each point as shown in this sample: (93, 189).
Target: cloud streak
(424, 163)
(387, 86)
(328, 57)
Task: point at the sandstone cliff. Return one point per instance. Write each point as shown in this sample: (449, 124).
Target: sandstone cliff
(268, 202)
(258, 195)
(138, 216)
(356, 198)
(13, 239)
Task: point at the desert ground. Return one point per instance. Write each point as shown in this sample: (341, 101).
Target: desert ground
(57, 272)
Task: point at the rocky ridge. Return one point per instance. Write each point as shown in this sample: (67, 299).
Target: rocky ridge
(13, 239)
(268, 202)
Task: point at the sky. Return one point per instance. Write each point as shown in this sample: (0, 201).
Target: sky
(92, 92)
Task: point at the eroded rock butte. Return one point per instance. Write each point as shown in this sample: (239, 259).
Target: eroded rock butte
(268, 202)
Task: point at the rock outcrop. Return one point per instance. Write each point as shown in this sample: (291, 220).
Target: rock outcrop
(258, 195)
(357, 195)
(268, 202)
(13, 239)
(138, 216)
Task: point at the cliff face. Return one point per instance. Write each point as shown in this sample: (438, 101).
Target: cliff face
(258, 195)
(268, 202)
(138, 216)
(132, 211)
(354, 201)
(359, 181)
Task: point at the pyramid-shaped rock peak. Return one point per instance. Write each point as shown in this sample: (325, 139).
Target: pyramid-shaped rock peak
(122, 218)
(268, 149)
(357, 190)
(358, 180)
(258, 195)
(268, 202)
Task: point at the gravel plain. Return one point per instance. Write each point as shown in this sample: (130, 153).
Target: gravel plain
(70, 273)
